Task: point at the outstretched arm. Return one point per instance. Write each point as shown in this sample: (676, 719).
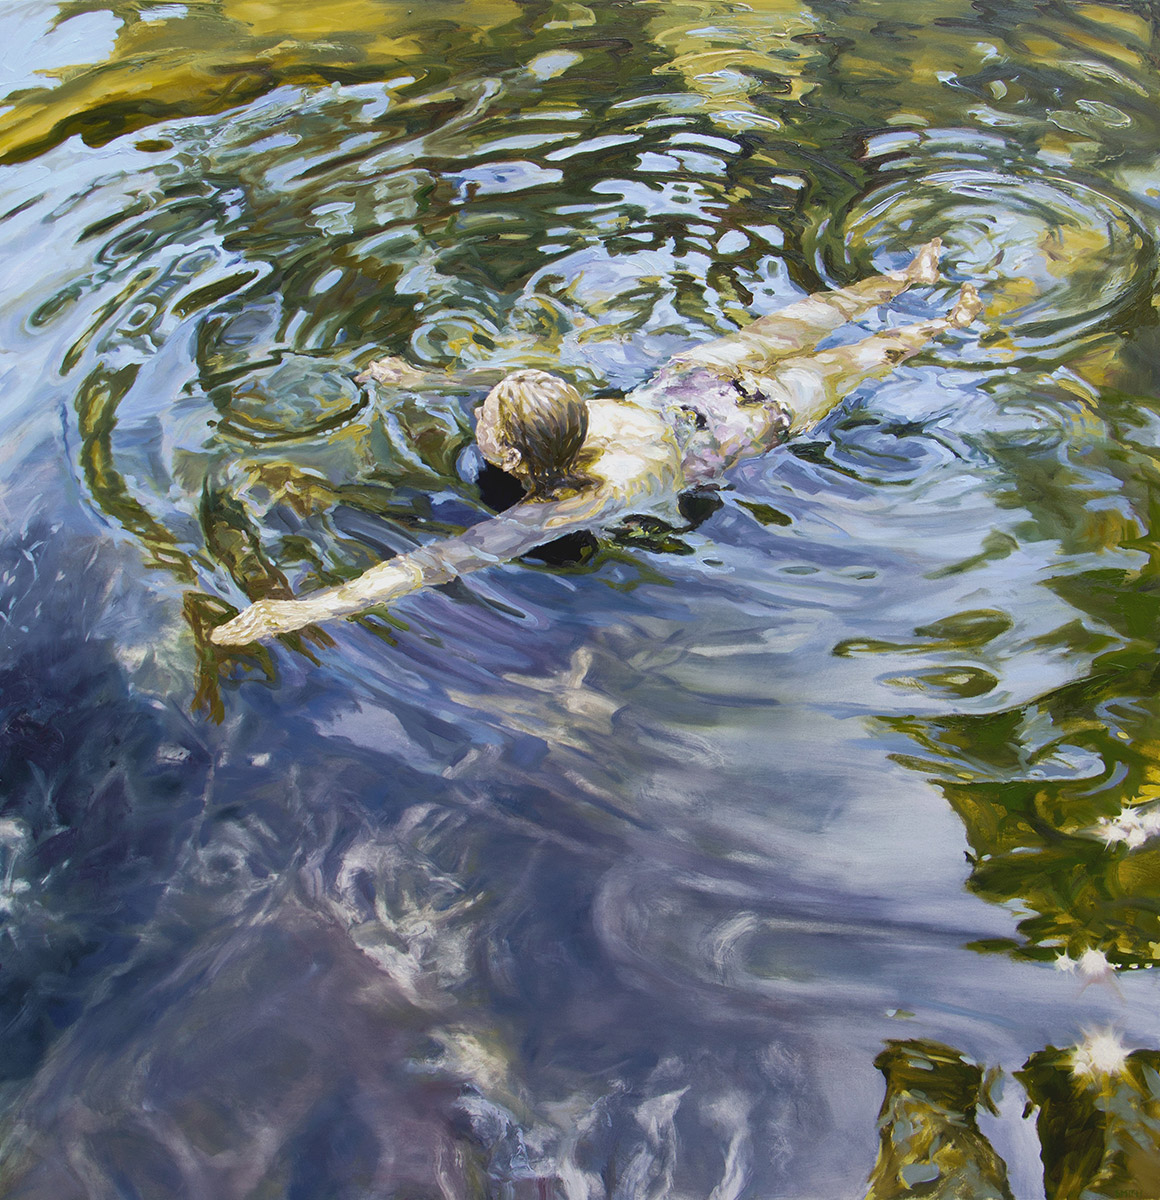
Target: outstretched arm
(398, 373)
(499, 539)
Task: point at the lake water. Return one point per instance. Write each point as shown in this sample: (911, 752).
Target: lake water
(612, 873)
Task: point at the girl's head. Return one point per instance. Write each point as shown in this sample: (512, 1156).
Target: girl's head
(532, 425)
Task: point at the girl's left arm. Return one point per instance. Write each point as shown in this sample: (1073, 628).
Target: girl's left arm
(499, 539)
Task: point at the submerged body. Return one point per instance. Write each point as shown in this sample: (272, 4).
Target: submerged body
(732, 398)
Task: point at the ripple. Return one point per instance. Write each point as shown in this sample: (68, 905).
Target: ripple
(297, 397)
(725, 943)
(1056, 258)
(959, 682)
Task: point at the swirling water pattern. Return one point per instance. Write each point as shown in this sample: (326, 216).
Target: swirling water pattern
(608, 875)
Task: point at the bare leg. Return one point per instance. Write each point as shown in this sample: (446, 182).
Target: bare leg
(814, 384)
(804, 323)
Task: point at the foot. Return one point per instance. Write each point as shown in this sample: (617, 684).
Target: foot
(967, 309)
(923, 268)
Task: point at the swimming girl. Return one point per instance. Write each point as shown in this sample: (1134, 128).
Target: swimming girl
(587, 464)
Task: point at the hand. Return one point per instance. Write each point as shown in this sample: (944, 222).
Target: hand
(392, 372)
(263, 619)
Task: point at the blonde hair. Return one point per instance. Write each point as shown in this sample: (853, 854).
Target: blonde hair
(543, 419)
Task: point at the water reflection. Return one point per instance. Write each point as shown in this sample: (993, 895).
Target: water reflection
(604, 877)
(1097, 1117)
(1096, 1111)
(929, 1135)
(1061, 258)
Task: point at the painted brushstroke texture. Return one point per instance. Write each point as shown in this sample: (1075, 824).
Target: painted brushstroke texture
(615, 871)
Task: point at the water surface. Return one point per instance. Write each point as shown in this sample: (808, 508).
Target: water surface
(610, 875)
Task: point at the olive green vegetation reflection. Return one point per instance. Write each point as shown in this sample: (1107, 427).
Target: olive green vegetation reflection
(1061, 798)
(1098, 1119)
(97, 419)
(929, 1139)
(1097, 1112)
(211, 55)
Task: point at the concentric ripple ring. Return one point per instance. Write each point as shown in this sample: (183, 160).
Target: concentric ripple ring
(1056, 259)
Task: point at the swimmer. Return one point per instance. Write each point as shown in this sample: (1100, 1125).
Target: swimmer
(588, 464)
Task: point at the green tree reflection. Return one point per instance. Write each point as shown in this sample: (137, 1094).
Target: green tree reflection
(1097, 1111)
(930, 1144)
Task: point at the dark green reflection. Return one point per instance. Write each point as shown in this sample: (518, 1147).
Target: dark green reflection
(1059, 797)
(929, 1139)
(210, 55)
(1099, 1120)
(1097, 1110)
(97, 419)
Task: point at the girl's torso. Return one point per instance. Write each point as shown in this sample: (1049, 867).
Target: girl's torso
(714, 420)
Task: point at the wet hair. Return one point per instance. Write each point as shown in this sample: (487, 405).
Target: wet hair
(542, 418)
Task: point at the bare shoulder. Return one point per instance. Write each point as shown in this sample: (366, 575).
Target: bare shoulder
(621, 423)
(630, 449)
